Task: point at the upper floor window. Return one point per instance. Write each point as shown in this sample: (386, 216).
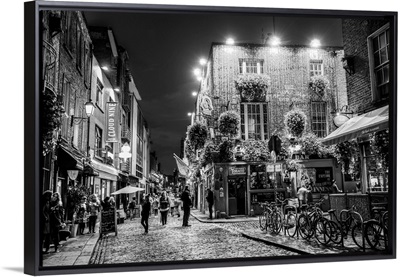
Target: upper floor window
(99, 94)
(69, 31)
(254, 120)
(378, 50)
(98, 143)
(316, 68)
(66, 94)
(79, 48)
(319, 119)
(251, 66)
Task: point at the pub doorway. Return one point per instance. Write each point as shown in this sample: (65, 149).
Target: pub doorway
(237, 195)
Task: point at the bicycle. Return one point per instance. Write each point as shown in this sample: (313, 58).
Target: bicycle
(375, 230)
(349, 221)
(265, 218)
(290, 220)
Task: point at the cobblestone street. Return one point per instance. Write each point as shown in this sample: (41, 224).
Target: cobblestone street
(175, 243)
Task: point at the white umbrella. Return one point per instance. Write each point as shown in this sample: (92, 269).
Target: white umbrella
(128, 189)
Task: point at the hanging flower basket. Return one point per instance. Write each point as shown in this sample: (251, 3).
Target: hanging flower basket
(50, 120)
(295, 122)
(318, 84)
(252, 87)
(293, 166)
(210, 154)
(197, 135)
(255, 150)
(228, 123)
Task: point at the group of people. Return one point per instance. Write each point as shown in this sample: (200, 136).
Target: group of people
(165, 203)
(53, 216)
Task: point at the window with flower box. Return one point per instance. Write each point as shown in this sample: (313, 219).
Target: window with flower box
(378, 51)
(255, 66)
(254, 120)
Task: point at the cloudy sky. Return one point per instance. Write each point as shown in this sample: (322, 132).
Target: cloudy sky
(164, 48)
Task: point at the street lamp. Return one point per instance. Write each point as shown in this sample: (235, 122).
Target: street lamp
(197, 72)
(275, 41)
(189, 114)
(230, 41)
(203, 61)
(194, 93)
(315, 43)
(89, 109)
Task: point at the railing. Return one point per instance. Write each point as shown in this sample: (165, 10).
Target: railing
(49, 66)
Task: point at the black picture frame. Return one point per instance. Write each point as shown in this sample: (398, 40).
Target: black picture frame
(32, 150)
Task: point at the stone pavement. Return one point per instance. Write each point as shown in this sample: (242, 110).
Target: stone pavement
(173, 242)
(74, 251)
(249, 227)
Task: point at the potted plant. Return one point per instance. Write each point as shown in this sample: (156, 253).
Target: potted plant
(295, 122)
(252, 87)
(318, 84)
(197, 135)
(311, 145)
(228, 123)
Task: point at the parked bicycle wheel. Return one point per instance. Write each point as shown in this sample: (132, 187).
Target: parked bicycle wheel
(375, 235)
(291, 224)
(304, 226)
(336, 234)
(276, 223)
(323, 231)
(357, 235)
(263, 221)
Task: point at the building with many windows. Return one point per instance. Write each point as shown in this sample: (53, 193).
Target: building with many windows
(367, 61)
(286, 73)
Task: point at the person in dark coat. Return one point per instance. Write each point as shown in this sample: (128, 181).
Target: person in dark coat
(210, 201)
(187, 202)
(145, 213)
(164, 207)
(56, 219)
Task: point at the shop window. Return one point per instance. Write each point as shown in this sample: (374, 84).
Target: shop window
(377, 176)
(316, 68)
(319, 119)
(255, 66)
(378, 51)
(254, 120)
(258, 179)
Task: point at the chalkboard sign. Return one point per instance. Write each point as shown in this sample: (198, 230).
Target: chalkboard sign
(108, 222)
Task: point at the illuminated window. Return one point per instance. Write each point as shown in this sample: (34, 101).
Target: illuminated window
(99, 94)
(98, 141)
(254, 121)
(316, 68)
(251, 66)
(319, 119)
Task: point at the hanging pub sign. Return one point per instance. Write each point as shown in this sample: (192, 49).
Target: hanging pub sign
(112, 123)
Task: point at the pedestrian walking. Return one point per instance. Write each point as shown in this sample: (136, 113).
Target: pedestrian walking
(210, 201)
(187, 202)
(335, 188)
(81, 216)
(301, 194)
(146, 213)
(94, 208)
(155, 204)
(56, 219)
(164, 207)
(309, 187)
(131, 206)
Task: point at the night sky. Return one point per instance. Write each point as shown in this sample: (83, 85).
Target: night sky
(165, 48)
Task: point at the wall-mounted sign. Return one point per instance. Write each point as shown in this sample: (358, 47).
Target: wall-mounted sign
(206, 105)
(112, 117)
(237, 170)
(340, 119)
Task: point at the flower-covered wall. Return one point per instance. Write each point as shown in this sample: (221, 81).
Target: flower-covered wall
(288, 69)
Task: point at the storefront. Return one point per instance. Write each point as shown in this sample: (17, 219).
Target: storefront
(366, 130)
(106, 182)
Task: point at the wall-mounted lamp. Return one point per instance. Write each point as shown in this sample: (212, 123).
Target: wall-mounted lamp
(89, 109)
(348, 64)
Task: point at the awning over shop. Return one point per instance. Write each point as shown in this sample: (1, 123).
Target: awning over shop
(105, 171)
(373, 121)
(90, 171)
(67, 159)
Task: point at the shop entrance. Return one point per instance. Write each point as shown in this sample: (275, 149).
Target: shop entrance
(237, 195)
